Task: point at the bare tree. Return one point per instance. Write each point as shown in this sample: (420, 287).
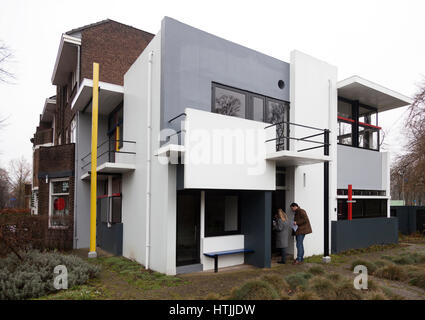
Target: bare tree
(20, 174)
(408, 171)
(4, 188)
(6, 57)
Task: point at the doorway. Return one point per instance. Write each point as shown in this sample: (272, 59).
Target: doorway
(188, 228)
(278, 202)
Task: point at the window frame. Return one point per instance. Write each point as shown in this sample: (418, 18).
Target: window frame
(223, 233)
(51, 194)
(249, 98)
(356, 124)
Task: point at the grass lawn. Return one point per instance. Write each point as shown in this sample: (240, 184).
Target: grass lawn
(395, 272)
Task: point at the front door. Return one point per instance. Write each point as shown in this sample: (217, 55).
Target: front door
(188, 227)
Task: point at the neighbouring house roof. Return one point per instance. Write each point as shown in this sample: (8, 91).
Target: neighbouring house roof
(91, 25)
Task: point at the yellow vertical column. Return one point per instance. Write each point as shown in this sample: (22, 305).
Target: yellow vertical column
(93, 176)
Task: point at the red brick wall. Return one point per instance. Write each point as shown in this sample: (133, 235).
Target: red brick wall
(114, 46)
(55, 160)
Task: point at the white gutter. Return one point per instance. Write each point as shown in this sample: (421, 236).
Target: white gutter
(148, 159)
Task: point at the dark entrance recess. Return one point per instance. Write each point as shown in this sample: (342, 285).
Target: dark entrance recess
(278, 202)
(188, 227)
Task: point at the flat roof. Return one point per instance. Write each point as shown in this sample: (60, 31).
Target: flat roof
(372, 94)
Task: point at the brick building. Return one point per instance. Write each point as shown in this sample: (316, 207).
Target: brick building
(115, 47)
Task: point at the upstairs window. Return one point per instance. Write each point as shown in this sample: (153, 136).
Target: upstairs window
(248, 105)
(357, 125)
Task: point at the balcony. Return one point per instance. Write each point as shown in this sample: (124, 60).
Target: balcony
(309, 147)
(113, 157)
(213, 147)
(43, 137)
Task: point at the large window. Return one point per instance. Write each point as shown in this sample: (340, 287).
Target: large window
(363, 208)
(221, 214)
(244, 104)
(357, 125)
(59, 203)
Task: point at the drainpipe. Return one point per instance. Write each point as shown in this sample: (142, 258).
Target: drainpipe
(148, 159)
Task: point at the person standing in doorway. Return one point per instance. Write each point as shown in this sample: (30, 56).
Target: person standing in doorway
(281, 227)
(301, 227)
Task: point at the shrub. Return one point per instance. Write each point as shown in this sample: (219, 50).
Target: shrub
(305, 295)
(254, 290)
(390, 294)
(346, 291)
(380, 263)
(213, 296)
(277, 282)
(371, 267)
(333, 276)
(391, 272)
(298, 280)
(316, 270)
(323, 287)
(417, 278)
(33, 276)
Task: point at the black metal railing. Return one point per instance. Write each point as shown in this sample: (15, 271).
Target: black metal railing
(107, 155)
(177, 133)
(283, 137)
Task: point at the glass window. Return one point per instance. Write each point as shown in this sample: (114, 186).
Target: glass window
(276, 112)
(368, 137)
(229, 102)
(74, 130)
(257, 109)
(345, 109)
(221, 214)
(345, 131)
(363, 208)
(59, 212)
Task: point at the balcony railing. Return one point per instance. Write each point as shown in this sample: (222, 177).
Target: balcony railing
(282, 137)
(113, 151)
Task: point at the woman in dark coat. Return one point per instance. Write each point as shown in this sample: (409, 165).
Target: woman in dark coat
(281, 228)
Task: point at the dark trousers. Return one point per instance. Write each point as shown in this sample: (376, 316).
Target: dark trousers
(283, 254)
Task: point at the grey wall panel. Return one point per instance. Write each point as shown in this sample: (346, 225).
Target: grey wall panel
(256, 227)
(362, 233)
(359, 167)
(192, 59)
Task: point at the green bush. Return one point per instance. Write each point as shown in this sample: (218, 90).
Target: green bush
(298, 280)
(371, 267)
(346, 291)
(305, 295)
(323, 287)
(333, 276)
(33, 276)
(316, 270)
(255, 290)
(417, 278)
(391, 272)
(277, 282)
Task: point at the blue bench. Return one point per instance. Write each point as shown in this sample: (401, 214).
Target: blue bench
(216, 254)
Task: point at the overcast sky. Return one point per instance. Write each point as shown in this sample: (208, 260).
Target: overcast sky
(382, 41)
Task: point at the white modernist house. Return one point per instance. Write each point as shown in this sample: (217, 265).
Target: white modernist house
(206, 139)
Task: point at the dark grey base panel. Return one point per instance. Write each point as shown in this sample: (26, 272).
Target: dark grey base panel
(190, 268)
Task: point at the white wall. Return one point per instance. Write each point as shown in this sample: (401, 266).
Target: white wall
(314, 103)
(224, 152)
(163, 183)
